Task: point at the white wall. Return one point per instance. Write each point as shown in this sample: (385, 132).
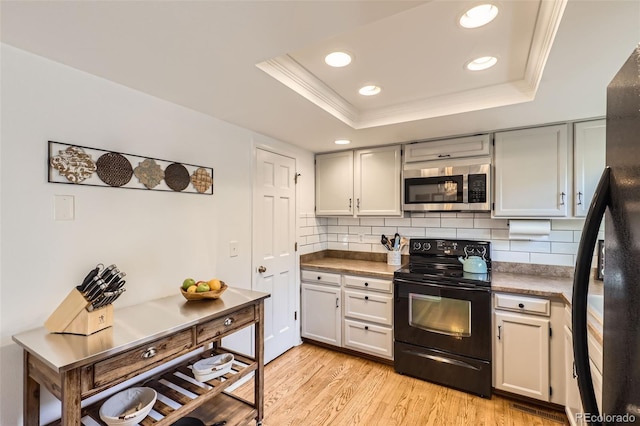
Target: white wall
(158, 238)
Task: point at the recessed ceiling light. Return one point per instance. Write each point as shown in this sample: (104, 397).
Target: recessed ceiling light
(483, 63)
(342, 142)
(338, 59)
(479, 15)
(369, 90)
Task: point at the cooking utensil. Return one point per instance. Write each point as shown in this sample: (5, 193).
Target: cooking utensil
(396, 242)
(113, 282)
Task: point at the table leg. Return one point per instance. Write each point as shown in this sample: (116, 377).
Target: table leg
(30, 395)
(71, 398)
(259, 375)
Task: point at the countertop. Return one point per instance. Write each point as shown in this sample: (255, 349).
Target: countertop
(506, 282)
(132, 326)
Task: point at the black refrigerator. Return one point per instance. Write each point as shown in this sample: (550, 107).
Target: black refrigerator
(617, 198)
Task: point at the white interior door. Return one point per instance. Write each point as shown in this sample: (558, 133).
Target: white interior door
(273, 249)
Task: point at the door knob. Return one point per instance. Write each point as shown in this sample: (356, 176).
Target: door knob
(262, 269)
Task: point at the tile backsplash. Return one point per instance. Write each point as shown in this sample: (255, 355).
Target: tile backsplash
(363, 234)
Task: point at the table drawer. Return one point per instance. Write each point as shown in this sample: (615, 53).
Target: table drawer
(321, 277)
(368, 306)
(221, 327)
(529, 305)
(368, 283)
(142, 358)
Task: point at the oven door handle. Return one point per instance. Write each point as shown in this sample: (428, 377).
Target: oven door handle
(443, 359)
(435, 285)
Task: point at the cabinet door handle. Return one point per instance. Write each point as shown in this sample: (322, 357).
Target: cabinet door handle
(562, 194)
(521, 305)
(358, 203)
(149, 353)
(575, 375)
(337, 300)
(444, 155)
(228, 321)
(366, 298)
(349, 203)
(366, 327)
(579, 198)
(499, 331)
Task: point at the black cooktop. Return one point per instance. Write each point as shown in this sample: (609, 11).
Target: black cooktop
(436, 260)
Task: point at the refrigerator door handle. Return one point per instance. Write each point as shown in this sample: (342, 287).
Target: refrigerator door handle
(601, 199)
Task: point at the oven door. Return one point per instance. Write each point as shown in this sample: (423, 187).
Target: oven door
(443, 317)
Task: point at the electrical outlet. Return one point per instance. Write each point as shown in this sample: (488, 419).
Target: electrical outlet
(233, 248)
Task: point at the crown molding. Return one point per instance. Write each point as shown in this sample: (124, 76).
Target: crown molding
(293, 75)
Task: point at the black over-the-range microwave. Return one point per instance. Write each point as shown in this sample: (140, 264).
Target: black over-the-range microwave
(449, 185)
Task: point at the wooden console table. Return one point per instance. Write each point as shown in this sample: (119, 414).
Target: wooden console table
(144, 337)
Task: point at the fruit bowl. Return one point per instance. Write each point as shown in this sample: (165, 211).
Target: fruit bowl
(213, 294)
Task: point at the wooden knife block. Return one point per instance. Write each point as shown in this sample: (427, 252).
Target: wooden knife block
(72, 316)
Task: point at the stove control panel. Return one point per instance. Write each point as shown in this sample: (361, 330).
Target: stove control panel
(437, 247)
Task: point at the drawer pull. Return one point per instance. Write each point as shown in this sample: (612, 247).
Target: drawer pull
(521, 305)
(228, 321)
(366, 284)
(366, 298)
(319, 277)
(149, 353)
(366, 327)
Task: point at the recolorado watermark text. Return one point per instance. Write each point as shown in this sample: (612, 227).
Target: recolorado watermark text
(606, 418)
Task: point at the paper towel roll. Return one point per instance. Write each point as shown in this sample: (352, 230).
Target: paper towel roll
(529, 229)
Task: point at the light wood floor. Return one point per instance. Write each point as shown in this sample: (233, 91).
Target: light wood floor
(314, 386)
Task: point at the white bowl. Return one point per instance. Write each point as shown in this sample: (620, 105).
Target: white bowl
(210, 368)
(112, 412)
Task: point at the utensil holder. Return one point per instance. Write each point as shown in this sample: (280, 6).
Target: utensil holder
(72, 316)
(394, 258)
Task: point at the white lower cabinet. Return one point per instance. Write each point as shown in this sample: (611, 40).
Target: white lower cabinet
(321, 317)
(370, 338)
(522, 355)
(528, 359)
(357, 315)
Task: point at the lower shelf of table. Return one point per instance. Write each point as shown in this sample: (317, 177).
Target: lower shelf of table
(180, 395)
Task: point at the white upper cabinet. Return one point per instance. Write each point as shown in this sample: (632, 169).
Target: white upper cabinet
(361, 183)
(470, 146)
(531, 172)
(377, 183)
(334, 184)
(589, 152)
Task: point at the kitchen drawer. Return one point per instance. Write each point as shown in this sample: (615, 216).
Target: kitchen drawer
(372, 339)
(528, 305)
(223, 326)
(376, 284)
(368, 306)
(321, 277)
(140, 359)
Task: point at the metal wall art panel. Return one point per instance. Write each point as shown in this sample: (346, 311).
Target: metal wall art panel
(82, 165)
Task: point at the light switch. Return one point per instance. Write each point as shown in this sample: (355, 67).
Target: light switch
(233, 248)
(63, 207)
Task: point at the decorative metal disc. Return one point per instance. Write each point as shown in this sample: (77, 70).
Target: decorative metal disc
(114, 169)
(149, 173)
(74, 164)
(201, 180)
(177, 176)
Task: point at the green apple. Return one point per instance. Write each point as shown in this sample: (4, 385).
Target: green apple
(188, 282)
(202, 287)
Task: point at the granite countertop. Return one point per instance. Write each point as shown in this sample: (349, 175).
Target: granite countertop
(533, 280)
